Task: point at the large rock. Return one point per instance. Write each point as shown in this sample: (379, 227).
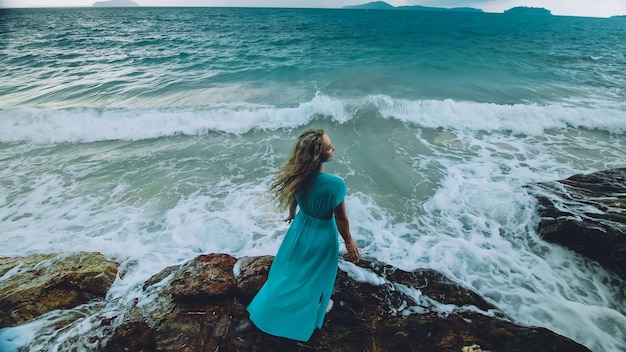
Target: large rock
(389, 316)
(37, 284)
(587, 213)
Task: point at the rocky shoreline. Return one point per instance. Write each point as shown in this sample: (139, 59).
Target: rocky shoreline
(201, 304)
(587, 214)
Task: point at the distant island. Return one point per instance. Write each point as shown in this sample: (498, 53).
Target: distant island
(376, 5)
(115, 3)
(381, 5)
(524, 10)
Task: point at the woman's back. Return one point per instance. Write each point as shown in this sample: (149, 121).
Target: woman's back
(324, 194)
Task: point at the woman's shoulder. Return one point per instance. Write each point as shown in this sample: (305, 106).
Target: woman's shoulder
(330, 178)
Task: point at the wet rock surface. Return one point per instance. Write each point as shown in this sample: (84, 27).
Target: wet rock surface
(587, 214)
(33, 285)
(404, 311)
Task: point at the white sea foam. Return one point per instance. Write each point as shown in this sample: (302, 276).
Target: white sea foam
(530, 119)
(450, 197)
(90, 125)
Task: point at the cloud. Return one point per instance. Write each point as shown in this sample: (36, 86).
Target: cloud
(253, 3)
(448, 3)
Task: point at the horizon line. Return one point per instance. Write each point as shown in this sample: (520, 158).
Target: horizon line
(283, 7)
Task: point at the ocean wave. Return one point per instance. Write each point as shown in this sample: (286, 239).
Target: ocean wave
(91, 125)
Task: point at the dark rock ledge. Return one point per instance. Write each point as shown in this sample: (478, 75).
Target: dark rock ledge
(201, 306)
(587, 214)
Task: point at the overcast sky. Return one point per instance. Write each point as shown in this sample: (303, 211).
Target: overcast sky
(594, 8)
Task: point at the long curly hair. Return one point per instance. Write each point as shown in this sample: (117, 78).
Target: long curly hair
(305, 160)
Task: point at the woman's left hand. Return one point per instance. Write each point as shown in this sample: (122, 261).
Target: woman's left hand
(353, 252)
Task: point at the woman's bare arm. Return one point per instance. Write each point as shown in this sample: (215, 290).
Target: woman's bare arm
(343, 224)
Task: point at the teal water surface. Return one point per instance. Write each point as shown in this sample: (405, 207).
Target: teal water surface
(151, 135)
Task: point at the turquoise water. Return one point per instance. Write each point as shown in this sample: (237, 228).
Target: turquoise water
(164, 57)
(151, 135)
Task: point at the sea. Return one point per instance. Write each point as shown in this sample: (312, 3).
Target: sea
(151, 135)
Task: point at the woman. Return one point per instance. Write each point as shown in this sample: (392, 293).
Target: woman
(294, 300)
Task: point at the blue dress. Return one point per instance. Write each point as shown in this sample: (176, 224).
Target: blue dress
(293, 301)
